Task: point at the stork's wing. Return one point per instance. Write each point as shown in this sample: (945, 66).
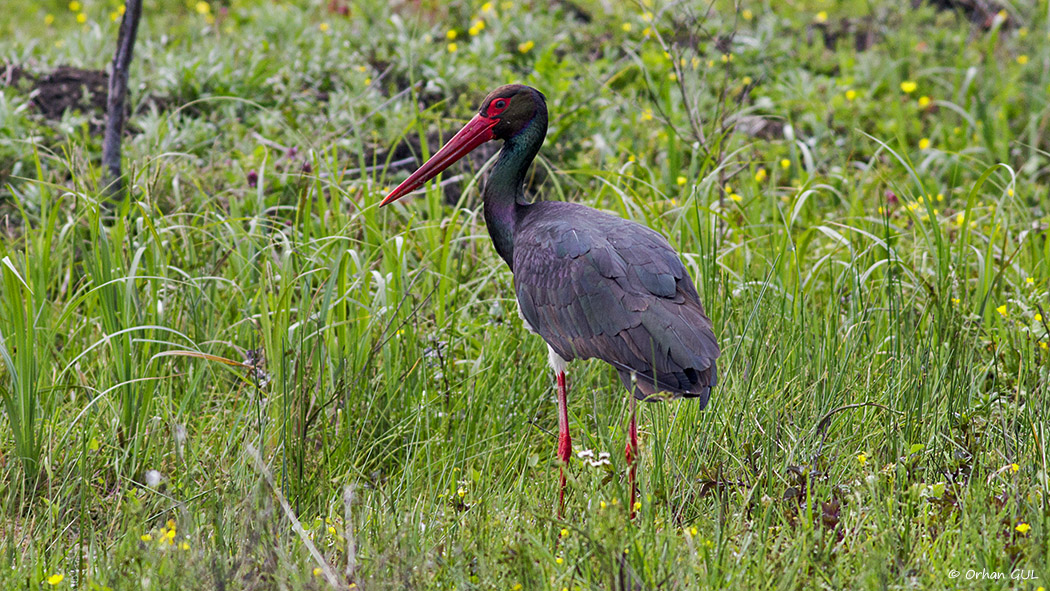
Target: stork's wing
(594, 285)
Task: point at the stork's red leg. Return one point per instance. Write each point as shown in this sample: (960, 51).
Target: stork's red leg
(632, 455)
(564, 441)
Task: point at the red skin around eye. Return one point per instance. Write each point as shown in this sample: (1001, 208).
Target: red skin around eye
(494, 110)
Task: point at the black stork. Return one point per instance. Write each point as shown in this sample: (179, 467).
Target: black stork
(591, 284)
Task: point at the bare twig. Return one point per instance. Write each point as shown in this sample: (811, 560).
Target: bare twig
(118, 91)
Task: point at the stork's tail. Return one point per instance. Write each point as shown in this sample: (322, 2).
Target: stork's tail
(690, 384)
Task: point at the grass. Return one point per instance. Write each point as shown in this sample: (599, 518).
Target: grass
(248, 376)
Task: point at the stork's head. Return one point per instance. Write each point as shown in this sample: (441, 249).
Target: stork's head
(504, 113)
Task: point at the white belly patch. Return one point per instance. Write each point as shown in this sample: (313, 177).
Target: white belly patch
(556, 362)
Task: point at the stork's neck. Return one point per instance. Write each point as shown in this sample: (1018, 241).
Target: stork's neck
(504, 194)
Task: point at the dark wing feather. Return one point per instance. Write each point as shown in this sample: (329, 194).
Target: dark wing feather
(594, 285)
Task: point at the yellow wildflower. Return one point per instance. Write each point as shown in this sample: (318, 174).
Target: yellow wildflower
(559, 560)
(451, 34)
(747, 14)
(1022, 59)
(564, 532)
(822, 17)
(647, 115)
(114, 16)
(693, 531)
(647, 17)
(55, 579)
(908, 86)
(81, 18)
(49, 19)
(462, 492)
(956, 301)
(924, 101)
(785, 164)
(672, 76)
(637, 505)
(121, 9)
(324, 27)
(452, 47)
(1029, 280)
(862, 458)
(1023, 527)
(851, 94)
(526, 46)
(74, 6)
(486, 7)
(727, 57)
(1038, 317)
(145, 537)
(1044, 345)
(681, 180)
(626, 27)
(317, 571)
(203, 7)
(1015, 468)
(924, 143)
(184, 546)
(760, 175)
(1001, 310)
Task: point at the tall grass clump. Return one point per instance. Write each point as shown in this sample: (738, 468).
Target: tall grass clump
(21, 392)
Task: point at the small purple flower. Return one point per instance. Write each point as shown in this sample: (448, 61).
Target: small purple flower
(253, 178)
(307, 167)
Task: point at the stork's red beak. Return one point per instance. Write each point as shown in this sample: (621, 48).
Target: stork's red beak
(476, 132)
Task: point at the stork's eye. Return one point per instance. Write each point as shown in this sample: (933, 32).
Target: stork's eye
(497, 106)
